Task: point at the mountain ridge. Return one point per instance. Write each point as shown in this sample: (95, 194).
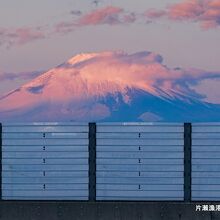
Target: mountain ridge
(109, 86)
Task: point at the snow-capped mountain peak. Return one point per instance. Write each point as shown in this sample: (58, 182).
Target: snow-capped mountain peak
(105, 86)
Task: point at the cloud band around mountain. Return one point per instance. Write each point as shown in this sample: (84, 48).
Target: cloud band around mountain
(143, 70)
(96, 86)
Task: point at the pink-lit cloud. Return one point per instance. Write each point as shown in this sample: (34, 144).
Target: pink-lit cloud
(20, 36)
(205, 12)
(129, 18)
(109, 15)
(154, 13)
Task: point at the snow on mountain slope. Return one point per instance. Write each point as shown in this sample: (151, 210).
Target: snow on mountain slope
(109, 86)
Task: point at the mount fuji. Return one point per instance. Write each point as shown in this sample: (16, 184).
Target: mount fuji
(111, 86)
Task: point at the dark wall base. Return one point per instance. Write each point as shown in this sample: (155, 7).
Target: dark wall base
(19, 210)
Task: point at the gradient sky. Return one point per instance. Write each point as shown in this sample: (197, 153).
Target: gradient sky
(30, 40)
